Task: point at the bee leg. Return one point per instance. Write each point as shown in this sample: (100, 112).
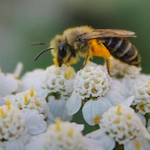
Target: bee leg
(90, 54)
(108, 64)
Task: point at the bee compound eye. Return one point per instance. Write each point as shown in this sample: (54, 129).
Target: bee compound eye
(62, 48)
(62, 51)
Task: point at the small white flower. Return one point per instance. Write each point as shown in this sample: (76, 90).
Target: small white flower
(131, 83)
(64, 136)
(33, 108)
(119, 69)
(13, 133)
(34, 78)
(121, 124)
(58, 82)
(142, 98)
(9, 83)
(94, 88)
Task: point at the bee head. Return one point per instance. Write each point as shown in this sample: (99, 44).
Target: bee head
(61, 49)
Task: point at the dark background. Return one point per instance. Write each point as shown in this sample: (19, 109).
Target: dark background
(26, 21)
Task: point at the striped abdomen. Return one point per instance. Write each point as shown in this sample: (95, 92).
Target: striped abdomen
(123, 50)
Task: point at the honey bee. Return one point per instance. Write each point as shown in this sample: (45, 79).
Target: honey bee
(87, 42)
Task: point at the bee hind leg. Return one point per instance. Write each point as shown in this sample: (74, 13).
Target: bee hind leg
(108, 64)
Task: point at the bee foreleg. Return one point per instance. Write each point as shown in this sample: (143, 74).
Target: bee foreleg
(90, 54)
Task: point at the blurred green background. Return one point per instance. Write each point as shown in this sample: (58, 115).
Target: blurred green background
(26, 21)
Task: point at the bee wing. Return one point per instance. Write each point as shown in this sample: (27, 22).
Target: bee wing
(106, 33)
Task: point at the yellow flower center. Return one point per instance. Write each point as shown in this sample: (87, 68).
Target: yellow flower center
(70, 133)
(58, 123)
(117, 121)
(32, 91)
(137, 144)
(68, 75)
(97, 119)
(26, 101)
(8, 104)
(119, 109)
(2, 113)
(129, 117)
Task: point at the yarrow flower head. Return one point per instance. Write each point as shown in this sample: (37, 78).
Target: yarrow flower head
(121, 124)
(93, 89)
(92, 82)
(142, 98)
(64, 136)
(12, 127)
(58, 81)
(29, 100)
(33, 108)
(11, 123)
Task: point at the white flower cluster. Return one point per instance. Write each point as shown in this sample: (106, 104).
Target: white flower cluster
(92, 82)
(96, 91)
(64, 136)
(29, 100)
(12, 125)
(13, 131)
(121, 124)
(32, 107)
(58, 81)
(142, 98)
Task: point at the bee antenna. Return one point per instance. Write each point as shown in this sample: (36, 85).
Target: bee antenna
(43, 51)
(38, 43)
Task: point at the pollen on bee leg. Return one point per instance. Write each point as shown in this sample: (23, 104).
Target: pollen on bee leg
(26, 99)
(2, 113)
(119, 109)
(58, 123)
(32, 91)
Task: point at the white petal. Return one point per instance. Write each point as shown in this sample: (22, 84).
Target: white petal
(94, 108)
(108, 143)
(142, 118)
(138, 144)
(2, 101)
(73, 104)
(8, 85)
(128, 102)
(58, 108)
(35, 121)
(18, 70)
(118, 93)
(35, 143)
(79, 127)
(33, 78)
(91, 144)
(130, 83)
(14, 145)
(17, 144)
